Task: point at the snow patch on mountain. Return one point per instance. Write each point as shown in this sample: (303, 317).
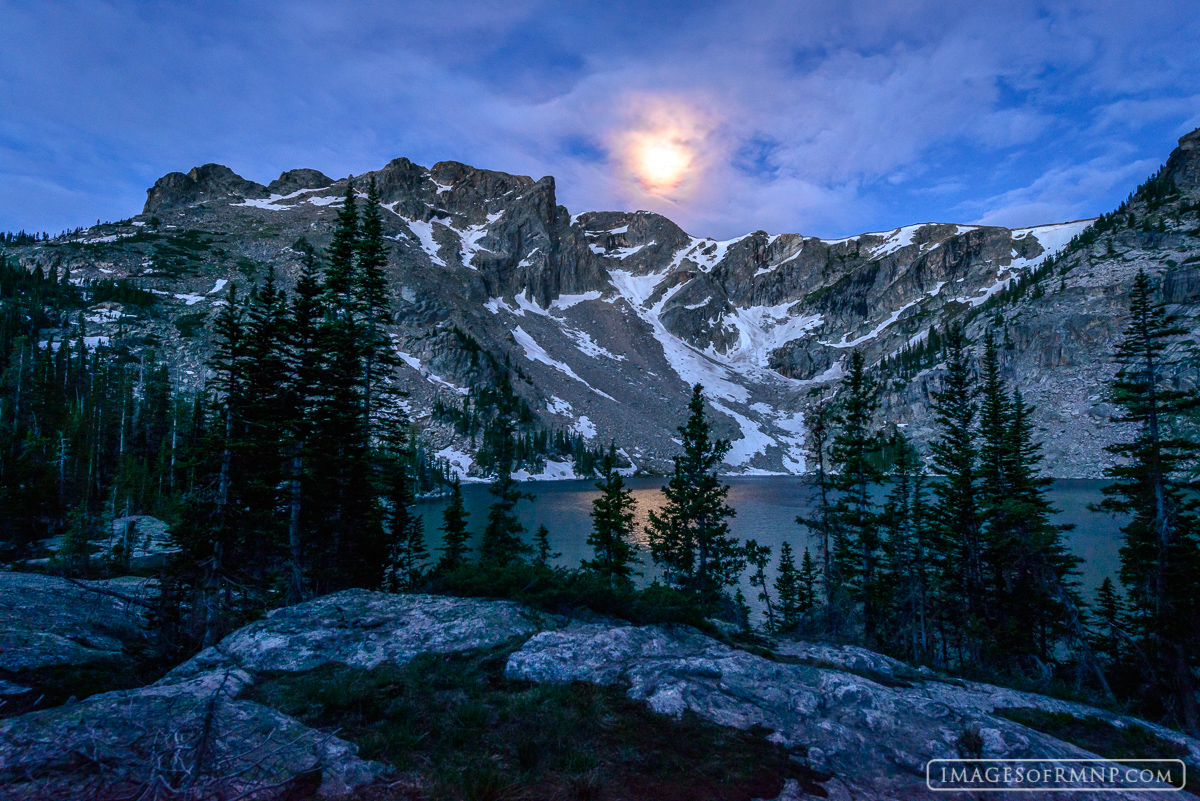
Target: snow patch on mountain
(553, 471)
(584, 427)
(753, 441)
(688, 363)
(535, 352)
(563, 302)
(423, 232)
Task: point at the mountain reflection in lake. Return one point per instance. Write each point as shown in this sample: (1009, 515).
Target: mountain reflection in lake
(767, 508)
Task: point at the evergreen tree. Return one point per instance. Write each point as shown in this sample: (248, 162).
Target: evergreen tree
(856, 539)
(788, 589)
(408, 552)
(1034, 605)
(613, 553)
(379, 359)
(823, 522)
(808, 583)
(689, 538)
(543, 554)
(758, 557)
(502, 542)
(339, 277)
(956, 512)
(454, 531)
(1110, 612)
(908, 554)
(307, 355)
(1160, 560)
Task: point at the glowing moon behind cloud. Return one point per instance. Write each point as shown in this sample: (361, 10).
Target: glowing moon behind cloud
(663, 147)
(660, 160)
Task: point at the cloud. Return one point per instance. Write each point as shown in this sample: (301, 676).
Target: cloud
(822, 117)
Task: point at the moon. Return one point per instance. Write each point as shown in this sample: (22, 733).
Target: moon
(660, 160)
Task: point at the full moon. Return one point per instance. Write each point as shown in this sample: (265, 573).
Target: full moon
(660, 160)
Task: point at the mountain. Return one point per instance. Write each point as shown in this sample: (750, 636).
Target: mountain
(607, 318)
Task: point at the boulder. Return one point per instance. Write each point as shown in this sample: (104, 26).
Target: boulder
(188, 738)
(363, 629)
(47, 621)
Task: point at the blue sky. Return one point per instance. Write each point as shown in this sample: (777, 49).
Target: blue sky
(825, 118)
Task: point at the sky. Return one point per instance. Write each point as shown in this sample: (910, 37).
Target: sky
(823, 118)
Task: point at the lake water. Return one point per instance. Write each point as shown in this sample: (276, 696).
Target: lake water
(767, 508)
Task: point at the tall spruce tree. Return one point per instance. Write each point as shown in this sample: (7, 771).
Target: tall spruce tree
(907, 552)
(1160, 559)
(454, 531)
(956, 516)
(1035, 605)
(613, 553)
(502, 543)
(822, 523)
(543, 554)
(787, 588)
(370, 289)
(758, 557)
(689, 537)
(856, 538)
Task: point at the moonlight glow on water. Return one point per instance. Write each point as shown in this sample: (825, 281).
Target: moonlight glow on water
(767, 508)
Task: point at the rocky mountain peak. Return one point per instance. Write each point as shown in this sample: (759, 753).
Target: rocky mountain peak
(296, 180)
(1183, 167)
(207, 182)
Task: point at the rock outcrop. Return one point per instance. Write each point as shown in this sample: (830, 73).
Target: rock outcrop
(362, 629)
(190, 738)
(869, 720)
(295, 180)
(874, 734)
(209, 182)
(46, 621)
(192, 730)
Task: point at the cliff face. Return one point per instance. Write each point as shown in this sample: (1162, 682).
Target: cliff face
(610, 316)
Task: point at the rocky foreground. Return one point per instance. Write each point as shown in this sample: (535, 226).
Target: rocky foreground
(863, 724)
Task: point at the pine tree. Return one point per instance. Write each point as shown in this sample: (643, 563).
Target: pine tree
(907, 550)
(689, 537)
(1035, 603)
(956, 513)
(823, 522)
(339, 277)
(613, 553)
(542, 553)
(307, 354)
(1109, 613)
(788, 589)
(808, 583)
(502, 542)
(1160, 560)
(370, 286)
(856, 540)
(408, 552)
(454, 531)
(758, 557)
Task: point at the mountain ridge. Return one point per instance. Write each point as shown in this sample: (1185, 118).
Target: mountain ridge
(609, 316)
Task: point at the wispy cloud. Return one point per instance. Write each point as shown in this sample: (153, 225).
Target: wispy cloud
(823, 117)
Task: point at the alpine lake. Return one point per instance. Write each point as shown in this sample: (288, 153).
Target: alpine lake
(767, 508)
